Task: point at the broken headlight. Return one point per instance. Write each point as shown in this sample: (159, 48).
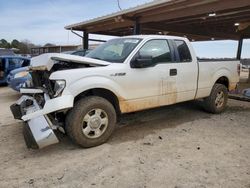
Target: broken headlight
(21, 74)
(58, 87)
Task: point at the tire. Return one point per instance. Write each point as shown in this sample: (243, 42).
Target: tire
(91, 122)
(217, 101)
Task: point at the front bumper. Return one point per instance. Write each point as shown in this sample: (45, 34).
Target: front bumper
(38, 130)
(38, 133)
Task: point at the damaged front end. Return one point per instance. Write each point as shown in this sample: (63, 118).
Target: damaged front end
(36, 107)
(38, 132)
(42, 105)
(42, 113)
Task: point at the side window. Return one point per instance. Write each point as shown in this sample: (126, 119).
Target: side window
(183, 50)
(13, 63)
(158, 49)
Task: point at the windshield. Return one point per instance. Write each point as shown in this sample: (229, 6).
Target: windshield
(115, 50)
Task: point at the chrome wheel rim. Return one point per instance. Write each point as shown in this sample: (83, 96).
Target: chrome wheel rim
(94, 123)
(219, 100)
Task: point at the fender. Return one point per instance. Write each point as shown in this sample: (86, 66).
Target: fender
(222, 72)
(93, 82)
(205, 85)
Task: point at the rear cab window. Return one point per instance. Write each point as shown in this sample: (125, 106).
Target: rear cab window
(183, 53)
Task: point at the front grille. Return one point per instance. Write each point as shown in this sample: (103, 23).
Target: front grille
(41, 79)
(36, 79)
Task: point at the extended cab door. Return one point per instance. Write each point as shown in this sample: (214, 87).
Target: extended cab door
(180, 79)
(146, 81)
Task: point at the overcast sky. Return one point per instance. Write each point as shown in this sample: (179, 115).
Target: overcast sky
(43, 21)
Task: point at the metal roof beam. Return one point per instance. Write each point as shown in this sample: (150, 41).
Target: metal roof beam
(194, 11)
(195, 31)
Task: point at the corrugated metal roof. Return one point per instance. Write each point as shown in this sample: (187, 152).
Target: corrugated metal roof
(190, 18)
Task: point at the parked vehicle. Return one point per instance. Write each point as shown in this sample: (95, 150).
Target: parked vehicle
(18, 77)
(9, 63)
(84, 95)
(246, 92)
(245, 63)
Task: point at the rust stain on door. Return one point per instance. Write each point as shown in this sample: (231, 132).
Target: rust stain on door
(167, 96)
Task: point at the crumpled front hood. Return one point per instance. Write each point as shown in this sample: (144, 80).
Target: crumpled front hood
(47, 60)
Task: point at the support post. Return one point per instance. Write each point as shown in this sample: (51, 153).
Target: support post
(239, 48)
(240, 44)
(248, 76)
(137, 27)
(85, 41)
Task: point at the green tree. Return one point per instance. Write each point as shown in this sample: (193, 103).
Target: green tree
(23, 47)
(49, 44)
(15, 43)
(4, 44)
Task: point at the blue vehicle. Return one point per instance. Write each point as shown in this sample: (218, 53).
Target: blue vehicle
(9, 63)
(18, 77)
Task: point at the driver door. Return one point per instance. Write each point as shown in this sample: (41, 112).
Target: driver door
(144, 86)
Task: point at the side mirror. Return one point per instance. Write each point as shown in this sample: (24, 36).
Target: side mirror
(141, 62)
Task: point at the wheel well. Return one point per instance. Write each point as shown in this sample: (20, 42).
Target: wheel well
(224, 81)
(100, 92)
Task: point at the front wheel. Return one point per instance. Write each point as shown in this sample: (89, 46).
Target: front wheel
(91, 121)
(217, 101)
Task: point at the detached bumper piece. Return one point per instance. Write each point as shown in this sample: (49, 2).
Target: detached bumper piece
(17, 109)
(38, 131)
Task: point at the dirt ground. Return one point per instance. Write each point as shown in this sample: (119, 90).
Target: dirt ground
(178, 146)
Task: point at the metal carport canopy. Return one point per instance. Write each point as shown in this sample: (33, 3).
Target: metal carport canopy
(196, 19)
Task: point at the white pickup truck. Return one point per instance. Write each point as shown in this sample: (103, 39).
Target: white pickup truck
(84, 95)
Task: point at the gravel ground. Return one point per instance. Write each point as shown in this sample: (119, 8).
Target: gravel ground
(178, 146)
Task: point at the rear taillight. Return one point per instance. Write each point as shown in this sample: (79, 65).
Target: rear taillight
(238, 69)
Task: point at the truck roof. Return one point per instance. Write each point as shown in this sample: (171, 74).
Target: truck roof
(155, 36)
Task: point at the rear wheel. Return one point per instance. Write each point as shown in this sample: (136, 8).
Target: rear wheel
(91, 121)
(217, 101)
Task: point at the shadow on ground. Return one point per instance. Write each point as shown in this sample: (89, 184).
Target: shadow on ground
(136, 126)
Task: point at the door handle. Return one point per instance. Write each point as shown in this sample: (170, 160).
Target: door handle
(173, 72)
